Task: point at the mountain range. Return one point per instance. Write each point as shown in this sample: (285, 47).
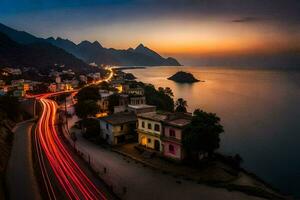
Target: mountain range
(39, 55)
(94, 52)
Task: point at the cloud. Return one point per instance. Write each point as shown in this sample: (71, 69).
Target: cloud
(246, 20)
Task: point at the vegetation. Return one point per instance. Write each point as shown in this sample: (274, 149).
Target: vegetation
(88, 93)
(129, 76)
(161, 98)
(91, 128)
(183, 77)
(9, 108)
(202, 135)
(114, 100)
(181, 105)
(86, 108)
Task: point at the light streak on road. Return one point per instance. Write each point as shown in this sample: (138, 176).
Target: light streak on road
(52, 151)
(50, 147)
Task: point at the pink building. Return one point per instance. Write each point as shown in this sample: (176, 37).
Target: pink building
(172, 136)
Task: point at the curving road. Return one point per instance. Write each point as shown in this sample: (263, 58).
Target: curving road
(51, 150)
(20, 177)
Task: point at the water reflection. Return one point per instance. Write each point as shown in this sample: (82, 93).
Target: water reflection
(259, 110)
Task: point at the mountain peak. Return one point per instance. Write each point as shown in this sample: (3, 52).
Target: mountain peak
(97, 44)
(140, 46)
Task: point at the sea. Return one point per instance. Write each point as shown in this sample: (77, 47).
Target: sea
(259, 109)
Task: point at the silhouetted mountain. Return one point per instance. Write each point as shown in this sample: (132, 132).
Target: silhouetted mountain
(94, 52)
(40, 55)
(19, 36)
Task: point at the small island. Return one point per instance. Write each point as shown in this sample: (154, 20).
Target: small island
(183, 77)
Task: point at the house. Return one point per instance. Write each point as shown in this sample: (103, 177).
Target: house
(118, 128)
(141, 108)
(133, 89)
(172, 135)
(52, 87)
(150, 130)
(137, 100)
(103, 101)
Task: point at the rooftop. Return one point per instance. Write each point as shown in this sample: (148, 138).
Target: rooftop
(154, 116)
(141, 106)
(119, 118)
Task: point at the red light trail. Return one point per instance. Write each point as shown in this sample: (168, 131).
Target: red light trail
(50, 147)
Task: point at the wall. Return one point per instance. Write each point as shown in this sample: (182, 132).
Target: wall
(143, 140)
(177, 132)
(176, 154)
(106, 131)
(145, 129)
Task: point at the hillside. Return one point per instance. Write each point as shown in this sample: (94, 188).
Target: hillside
(40, 55)
(94, 51)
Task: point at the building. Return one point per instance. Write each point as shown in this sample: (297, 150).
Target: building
(118, 128)
(103, 102)
(129, 89)
(137, 100)
(150, 130)
(83, 78)
(13, 71)
(52, 87)
(19, 93)
(57, 79)
(141, 108)
(172, 135)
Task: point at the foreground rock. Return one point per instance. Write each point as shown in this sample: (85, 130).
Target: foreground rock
(183, 77)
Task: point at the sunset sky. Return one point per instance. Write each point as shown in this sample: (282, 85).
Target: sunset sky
(180, 28)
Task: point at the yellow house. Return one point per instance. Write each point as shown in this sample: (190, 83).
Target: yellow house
(150, 130)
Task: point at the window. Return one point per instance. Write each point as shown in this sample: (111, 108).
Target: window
(143, 124)
(156, 127)
(149, 126)
(171, 148)
(149, 140)
(121, 127)
(172, 133)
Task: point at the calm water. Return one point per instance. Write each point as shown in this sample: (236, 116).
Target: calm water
(260, 111)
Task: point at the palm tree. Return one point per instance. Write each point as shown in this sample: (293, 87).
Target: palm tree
(181, 105)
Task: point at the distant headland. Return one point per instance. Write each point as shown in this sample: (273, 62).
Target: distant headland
(183, 77)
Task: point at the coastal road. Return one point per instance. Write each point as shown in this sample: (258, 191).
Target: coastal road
(20, 177)
(142, 182)
(53, 152)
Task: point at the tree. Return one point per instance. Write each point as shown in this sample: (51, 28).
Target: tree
(161, 98)
(91, 128)
(203, 133)
(86, 108)
(181, 105)
(88, 93)
(10, 107)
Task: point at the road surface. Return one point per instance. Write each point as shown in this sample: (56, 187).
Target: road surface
(60, 169)
(53, 151)
(20, 173)
(144, 183)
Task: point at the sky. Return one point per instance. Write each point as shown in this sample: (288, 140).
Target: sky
(185, 29)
